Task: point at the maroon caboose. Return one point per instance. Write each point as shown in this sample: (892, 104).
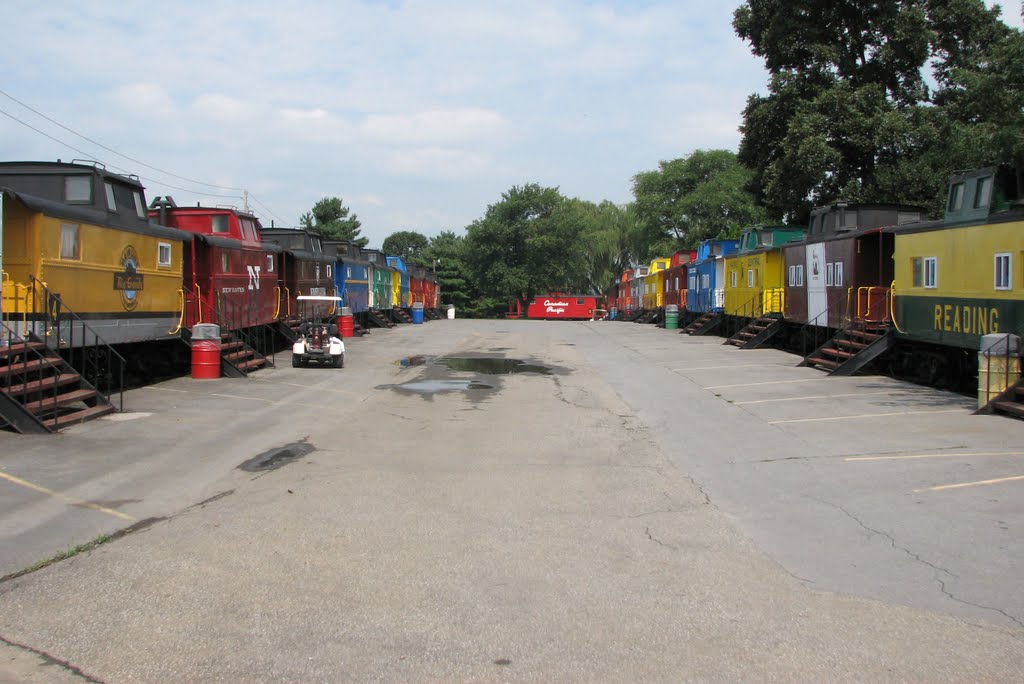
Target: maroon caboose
(305, 270)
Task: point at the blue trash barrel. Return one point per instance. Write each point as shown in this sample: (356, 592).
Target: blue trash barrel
(417, 313)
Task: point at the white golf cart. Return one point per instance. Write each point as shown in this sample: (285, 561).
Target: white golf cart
(318, 334)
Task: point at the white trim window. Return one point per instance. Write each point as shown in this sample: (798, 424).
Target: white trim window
(1003, 271)
(829, 275)
(931, 272)
(270, 263)
(70, 247)
(140, 206)
(111, 203)
(838, 277)
(750, 277)
(225, 264)
(163, 254)
(733, 279)
(800, 275)
(705, 280)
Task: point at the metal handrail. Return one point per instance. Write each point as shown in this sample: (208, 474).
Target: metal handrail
(865, 317)
(96, 359)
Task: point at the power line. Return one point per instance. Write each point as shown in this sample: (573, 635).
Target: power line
(124, 156)
(92, 157)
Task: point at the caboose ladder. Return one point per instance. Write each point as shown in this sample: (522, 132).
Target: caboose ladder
(852, 348)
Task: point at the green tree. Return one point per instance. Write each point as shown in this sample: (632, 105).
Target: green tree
(849, 113)
(330, 218)
(614, 239)
(446, 255)
(526, 244)
(696, 197)
(407, 244)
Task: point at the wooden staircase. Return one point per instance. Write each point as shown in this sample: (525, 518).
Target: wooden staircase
(432, 314)
(378, 319)
(756, 333)
(1010, 402)
(238, 359)
(289, 328)
(40, 392)
(632, 316)
(852, 348)
(400, 316)
(705, 324)
(647, 317)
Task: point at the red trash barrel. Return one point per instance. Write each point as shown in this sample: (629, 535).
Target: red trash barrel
(346, 323)
(205, 351)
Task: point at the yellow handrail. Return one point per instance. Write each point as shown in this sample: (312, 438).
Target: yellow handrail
(892, 306)
(334, 304)
(288, 300)
(277, 303)
(199, 303)
(181, 319)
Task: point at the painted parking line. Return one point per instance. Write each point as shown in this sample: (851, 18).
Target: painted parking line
(946, 455)
(979, 483)
(864, 415)
(268, 401)
(772, 382)
(820, 396)
(739, 365)
(66, 499)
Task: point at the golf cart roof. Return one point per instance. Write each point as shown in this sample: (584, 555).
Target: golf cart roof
(317, 298)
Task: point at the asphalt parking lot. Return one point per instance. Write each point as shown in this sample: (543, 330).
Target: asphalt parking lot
(657, 507)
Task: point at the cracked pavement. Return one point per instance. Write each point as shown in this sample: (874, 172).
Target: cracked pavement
(617, 521)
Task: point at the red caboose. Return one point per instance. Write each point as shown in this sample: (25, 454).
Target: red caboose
(559, 306)
(229, 274)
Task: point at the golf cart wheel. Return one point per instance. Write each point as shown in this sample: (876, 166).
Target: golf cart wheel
(296, 361)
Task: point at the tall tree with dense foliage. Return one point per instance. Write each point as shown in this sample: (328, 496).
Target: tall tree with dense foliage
(527, 243)
(407, 244)
(614, 239)
(849, 113)
(331, 219)
(446, 255)
(700, 196)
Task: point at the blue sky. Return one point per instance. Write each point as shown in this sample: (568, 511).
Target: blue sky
(418, 114)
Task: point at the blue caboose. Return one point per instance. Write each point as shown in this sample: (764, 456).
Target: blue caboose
(705, 291)
(351, 276)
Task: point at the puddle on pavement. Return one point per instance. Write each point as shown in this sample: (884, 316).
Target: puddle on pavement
(277, 457)
(487, 366)
(410, 361)
(437, 386)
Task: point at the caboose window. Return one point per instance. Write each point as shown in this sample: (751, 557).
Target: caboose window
(839, 274)
(983, 192)
(78, 189)
(163, 254)
(732, 276)
(69, 245)
(750, 277)
(328, 270)
(917, 266)
(140, 206)
(792, 276)
(931, 275)
(829, 275)
(270, 263)
(224, 261)
(579, 301)
(800, 275)
(348, 272)
(956, 197)
(220, 223)
(1004, 274)
(111, 204)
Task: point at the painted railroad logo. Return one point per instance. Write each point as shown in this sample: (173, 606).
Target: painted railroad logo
(129, 281)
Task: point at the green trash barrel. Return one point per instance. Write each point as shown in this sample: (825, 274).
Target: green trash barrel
(671, 317)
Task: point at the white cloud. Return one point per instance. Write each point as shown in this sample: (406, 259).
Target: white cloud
(434, 162)
(436, 127)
